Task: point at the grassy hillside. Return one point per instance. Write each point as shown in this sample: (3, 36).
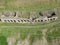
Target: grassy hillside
(21, 31)
(28, 5)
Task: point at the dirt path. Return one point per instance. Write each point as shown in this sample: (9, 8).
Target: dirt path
(43, 40)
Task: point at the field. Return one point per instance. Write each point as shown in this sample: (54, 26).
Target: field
(21, 31)
(37, 31)
(28, 5)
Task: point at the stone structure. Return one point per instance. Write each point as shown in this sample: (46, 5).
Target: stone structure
(11, 41)
(15, 17)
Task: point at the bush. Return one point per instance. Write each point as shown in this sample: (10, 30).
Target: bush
(3, 40)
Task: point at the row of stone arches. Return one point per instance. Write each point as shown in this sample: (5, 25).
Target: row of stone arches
(45, 20)
(16, 21)
(28, 20)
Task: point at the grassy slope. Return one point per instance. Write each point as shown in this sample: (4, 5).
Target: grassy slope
(7, 31)
(20, 32)
(24, 32)
(28, 5)
(53, 33)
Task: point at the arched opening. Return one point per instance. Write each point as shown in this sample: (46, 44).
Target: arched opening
(53, 14)
(35, 20)
(45, 20)
(28, 20)
(21, 20)
(53, 18)
(40, 13)
(18, 20)
(38, 20)
(6, 14)
(14, 20)
(8, 20)
(14, 14)
(5, 20)
(11, 20)
(0, 19)
(41, 20)
(25, 20)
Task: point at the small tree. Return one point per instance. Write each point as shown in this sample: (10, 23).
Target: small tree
(3, 40)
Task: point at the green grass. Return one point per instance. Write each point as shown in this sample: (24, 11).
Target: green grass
(22, 33)
(37, 34)
(3, 40)
(22, 24)
(53, 33)
(29, 5)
